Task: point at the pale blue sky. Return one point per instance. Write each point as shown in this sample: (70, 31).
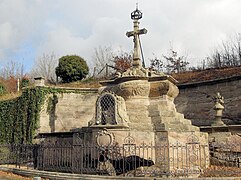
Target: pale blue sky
(29, 28)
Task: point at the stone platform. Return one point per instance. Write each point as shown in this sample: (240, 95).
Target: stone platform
(141, 111)
(222, 134)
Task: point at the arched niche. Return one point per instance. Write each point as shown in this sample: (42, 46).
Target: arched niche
(110, 110)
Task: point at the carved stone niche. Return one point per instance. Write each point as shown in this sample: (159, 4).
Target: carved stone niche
(110, 111)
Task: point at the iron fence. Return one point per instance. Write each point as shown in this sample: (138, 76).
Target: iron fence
(175, 159)
(126, 159)
(19, 155)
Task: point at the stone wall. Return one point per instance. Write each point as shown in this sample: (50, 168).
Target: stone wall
(70, 110)
(196, 103)
(76, 109)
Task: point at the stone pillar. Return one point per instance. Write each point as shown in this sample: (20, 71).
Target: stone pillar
(219, 101)
(39, 81)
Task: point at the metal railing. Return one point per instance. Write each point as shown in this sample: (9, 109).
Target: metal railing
(19, 155)
(129, 159)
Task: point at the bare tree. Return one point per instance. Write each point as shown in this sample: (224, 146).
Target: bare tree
(11, 76)
(107, 61)
(227, 54)
(102, 56)
(12, 70)
(45, 67)
(156, 64)
(176, 63)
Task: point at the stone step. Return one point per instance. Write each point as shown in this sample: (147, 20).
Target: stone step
(161, 106)
(177, 127)
(171, 127)
(141, 126)
(179, 115)
(186, 121)
(172, 120)
(193, 128)
(165, 113)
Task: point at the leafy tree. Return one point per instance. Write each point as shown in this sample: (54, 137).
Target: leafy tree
(71, 68)
(123, 61)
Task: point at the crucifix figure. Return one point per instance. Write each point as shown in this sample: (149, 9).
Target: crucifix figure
(136, 15)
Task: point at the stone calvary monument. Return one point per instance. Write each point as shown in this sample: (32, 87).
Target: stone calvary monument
(137, 109)
(135, 125)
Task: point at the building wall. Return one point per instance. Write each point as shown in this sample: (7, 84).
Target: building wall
(196, 103)
(71, 110)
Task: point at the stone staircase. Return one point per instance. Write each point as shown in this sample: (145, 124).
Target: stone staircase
(164, 117)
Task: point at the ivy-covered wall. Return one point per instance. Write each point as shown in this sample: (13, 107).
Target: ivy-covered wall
(19, 117)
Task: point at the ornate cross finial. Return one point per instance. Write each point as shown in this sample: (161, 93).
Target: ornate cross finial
(135, 16)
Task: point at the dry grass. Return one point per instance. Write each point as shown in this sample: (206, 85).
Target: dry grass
(80, 84)
(208, 74)
(183, 77)
(11, 176)
(221, 171)
(9, 96)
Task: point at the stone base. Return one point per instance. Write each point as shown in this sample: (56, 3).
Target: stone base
(155, 131)
(221, 134)
(218, 122)
(170, 151)
(184, 151)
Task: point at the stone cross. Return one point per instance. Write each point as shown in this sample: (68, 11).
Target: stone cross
(136, 15)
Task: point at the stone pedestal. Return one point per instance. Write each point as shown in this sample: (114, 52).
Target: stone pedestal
(39, 81)
(151, 124)
(219, 110)
(218, 121)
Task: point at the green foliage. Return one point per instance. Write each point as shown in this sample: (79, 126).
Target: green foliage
(71, 68)
(52, 101)
(25, 82)
(2, 89)
(4, 153)
(19, 118)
